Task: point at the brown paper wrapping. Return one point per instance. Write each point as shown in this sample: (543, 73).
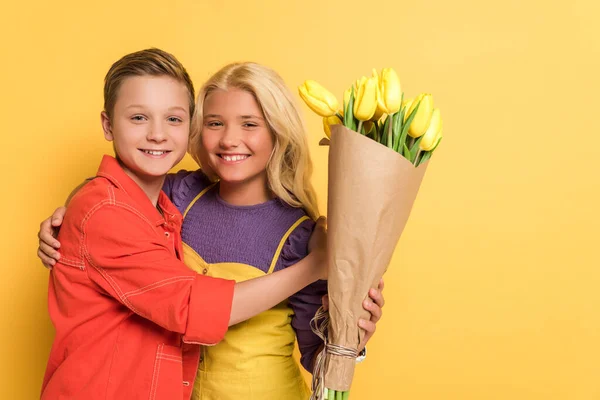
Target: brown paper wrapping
(370, 195)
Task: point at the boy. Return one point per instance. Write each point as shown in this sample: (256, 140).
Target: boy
(129, 315)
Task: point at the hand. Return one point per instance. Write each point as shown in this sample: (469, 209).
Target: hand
(48, 245)
(317, 247)
(374, 306)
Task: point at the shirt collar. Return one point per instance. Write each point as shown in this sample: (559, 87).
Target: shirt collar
(112, 170)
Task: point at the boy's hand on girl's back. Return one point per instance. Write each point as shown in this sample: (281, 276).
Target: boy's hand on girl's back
(48, 245)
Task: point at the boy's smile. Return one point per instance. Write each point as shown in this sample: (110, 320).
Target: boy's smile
(149, 127)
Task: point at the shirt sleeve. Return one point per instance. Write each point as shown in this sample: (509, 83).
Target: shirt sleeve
(306, 302)
(130, 262)
(182, 187)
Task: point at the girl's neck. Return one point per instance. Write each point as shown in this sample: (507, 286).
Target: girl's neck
(245, 193)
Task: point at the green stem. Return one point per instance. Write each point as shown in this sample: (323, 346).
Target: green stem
(360, 124)
(390, 128)
(417, 157)
(337, 114)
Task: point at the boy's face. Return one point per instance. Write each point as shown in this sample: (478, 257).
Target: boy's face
(150, 126)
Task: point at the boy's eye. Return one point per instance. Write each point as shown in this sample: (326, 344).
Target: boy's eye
(214, 124)
(138, 118)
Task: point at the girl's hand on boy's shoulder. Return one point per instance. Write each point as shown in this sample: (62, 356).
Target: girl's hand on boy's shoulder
(48, 245)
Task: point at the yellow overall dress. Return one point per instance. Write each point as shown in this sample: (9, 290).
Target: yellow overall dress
(254, 360)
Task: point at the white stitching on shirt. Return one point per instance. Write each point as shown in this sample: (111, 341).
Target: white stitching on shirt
(155, 373)
(158, 284)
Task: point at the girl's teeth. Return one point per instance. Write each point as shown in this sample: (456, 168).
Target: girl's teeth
(235, 158)
(154, 153)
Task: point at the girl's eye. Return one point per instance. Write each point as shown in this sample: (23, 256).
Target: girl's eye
(213, 124)
(249, 125)
(175, 119)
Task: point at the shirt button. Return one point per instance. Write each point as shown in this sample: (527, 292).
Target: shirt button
(186, 383)
(205, 271)
(167, 234)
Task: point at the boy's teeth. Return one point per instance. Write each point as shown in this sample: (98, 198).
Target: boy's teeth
(155, 152)
(234, 158)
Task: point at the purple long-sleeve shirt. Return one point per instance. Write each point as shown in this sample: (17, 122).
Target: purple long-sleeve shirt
(222, 232)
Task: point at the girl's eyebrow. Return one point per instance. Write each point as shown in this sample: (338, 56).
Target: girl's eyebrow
(250, 117)
(212, 116)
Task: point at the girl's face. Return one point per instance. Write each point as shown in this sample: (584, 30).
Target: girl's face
(236, 139)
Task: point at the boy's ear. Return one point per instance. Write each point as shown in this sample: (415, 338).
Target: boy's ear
(106, 126)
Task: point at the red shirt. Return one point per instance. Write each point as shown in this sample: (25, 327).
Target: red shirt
(129, 315)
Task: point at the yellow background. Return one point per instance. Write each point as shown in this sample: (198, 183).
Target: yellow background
(493, 290)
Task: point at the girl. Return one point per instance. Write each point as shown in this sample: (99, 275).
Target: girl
(249, 212)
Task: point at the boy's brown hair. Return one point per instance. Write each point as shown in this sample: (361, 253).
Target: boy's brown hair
(153, 62)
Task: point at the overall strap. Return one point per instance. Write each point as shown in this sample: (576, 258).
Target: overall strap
(282, 242)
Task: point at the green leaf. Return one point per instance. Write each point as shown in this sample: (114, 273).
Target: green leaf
(349, 121)
(383, 137)
(397, 128)
(406, 152)
(409, 120)
(415, 149)
(427, 155)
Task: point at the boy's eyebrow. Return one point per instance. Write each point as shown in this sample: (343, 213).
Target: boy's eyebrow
(170, 108)
(178, 108)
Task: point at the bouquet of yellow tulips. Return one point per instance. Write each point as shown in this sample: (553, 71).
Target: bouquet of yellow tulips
(379, 149)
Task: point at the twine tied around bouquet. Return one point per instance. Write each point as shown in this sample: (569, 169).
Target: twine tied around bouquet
(319, 325)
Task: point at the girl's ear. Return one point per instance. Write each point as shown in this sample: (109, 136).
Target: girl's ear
(106, 126)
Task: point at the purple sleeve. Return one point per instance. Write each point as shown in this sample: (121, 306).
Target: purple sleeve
(306, 302)
(179, 186)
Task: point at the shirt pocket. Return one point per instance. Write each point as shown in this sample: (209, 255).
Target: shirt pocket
(167, 376)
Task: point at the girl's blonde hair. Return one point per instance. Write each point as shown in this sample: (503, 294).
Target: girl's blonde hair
(289, 169)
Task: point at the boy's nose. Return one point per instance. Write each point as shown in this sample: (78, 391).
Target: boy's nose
(156, 133)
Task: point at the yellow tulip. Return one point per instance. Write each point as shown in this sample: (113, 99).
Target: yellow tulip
(406, 106)
(365, 103)
(421, 120)
(390, 90)
(381, 109)
(433, 133)
(347, 94)
(328, 121)
(319, 99)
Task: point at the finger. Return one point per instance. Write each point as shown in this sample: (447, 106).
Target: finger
(368, 326)
(47, 261)
(58, 216)
(322, 222)
(46, 236)
(325, 302)
(374, 309)
(377, 297)
(49, 251)
(381, 284)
